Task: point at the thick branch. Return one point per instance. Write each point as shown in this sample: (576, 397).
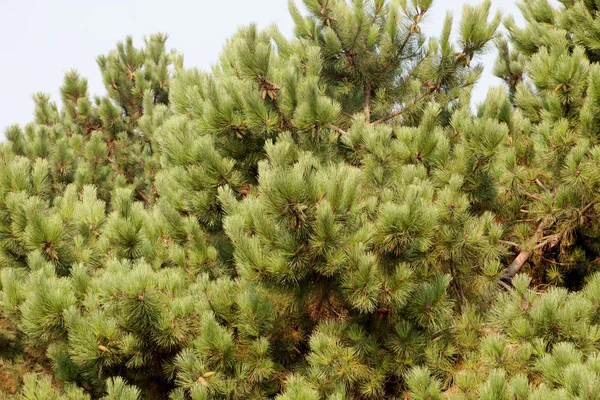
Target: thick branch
(515, 266)
(521, 259)
(540, 242)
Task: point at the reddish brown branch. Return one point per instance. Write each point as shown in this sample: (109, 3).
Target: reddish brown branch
(143, 196)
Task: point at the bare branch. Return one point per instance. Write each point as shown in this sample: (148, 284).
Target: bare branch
(540, 184)
(506, 242)
(586, 208)
(523, 256)
(338, 130)
(402, 110)
(541, 242)
(143, 196)
(533, 196)
(515, 266)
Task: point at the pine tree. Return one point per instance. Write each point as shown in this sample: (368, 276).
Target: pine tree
(321, 216)
(550, 68)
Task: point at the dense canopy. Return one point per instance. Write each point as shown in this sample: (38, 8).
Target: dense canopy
(317, 217)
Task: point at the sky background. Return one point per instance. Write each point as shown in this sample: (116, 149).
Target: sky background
(41, 39)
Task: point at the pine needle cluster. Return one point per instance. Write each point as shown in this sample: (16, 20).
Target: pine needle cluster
(317, 217)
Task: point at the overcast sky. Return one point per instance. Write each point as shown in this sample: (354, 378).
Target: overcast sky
(41, 39)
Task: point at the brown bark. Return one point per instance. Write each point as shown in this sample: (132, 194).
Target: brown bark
(338, 130)
(541, 242)
(523, 256)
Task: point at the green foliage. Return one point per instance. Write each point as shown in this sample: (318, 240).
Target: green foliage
(322, 216)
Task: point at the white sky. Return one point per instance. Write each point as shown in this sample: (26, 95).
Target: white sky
(41, 39)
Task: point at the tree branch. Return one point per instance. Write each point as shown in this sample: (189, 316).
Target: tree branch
(505, 285)
(551, 240)
(338, 130)
(533, 196)
(541, 242)
(523, 256)
(402, 110)
(143, 196)
(508, 243)
(411, 31)
(515, 266)
(586, 208)
(540, 184)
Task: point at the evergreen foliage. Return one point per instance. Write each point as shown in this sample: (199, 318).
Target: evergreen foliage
(317, 217)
